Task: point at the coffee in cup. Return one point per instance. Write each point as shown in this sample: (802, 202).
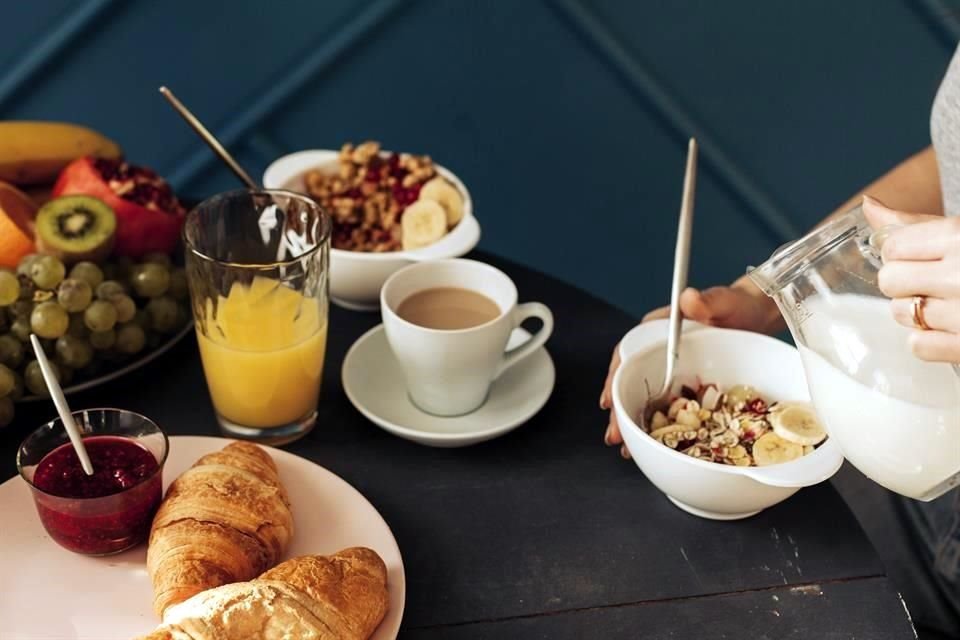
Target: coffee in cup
(448, 323)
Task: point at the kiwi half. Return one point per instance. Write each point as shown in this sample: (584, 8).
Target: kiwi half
(75, 228)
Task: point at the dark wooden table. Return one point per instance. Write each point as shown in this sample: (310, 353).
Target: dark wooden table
(545, 533)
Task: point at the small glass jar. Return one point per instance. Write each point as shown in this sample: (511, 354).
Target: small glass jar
(112, 510)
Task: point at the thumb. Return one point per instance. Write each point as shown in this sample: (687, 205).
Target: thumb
(712, 306)
(880, 215)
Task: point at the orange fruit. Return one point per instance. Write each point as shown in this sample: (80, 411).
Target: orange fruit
(17, 210)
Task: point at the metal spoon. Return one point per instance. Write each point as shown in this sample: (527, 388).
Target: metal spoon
(681, 260)
(66, 416)
(209, 138)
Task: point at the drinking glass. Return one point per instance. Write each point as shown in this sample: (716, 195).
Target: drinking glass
(258, 268)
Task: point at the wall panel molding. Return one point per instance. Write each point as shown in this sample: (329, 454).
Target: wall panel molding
(330, 48)
(651, 93)
(942, 18)
(50, 45)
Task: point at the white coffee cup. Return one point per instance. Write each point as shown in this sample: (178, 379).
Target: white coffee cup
(449, 372)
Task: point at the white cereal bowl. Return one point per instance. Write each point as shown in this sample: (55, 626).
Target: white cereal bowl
(725, 357)
(356, 276)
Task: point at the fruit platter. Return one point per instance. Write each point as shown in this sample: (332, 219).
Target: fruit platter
(90, 260)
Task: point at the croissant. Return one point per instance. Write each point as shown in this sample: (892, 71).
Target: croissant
(226, 519)
(340, 597)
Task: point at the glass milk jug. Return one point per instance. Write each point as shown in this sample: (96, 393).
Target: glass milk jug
(896, 418)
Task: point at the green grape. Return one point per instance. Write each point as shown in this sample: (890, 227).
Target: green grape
(178, 284)
(163, 314)
(33, 378)
(157, 257)
(7, 381)
(74, 352)
(100, 316)
(109, 288)
(150, 280)
(49, 320)
(126, 308)
(130, 338)
(17, 392)
(77, 327)
(9, 288)
(74, 295)
(11, 351)
(103, 340)
(6, 411)
(47, 272)
(23, 269)
(21, 329)
(88, 272)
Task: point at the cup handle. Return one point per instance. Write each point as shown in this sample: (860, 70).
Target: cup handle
(521, 313)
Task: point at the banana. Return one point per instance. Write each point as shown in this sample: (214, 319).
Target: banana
(797, 423)
(441, 191)
(423, 223)
(35, 152)
(772, 449)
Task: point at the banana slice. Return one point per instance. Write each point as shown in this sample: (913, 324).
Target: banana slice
(441, 191)
(423, 223)
(658, 434)
(772, 449)
(797, 423)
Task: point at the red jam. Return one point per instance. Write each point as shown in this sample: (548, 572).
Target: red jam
(104, 513)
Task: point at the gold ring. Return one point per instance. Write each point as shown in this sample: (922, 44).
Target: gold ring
(917, 306)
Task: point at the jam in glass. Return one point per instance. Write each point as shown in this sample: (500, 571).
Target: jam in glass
(109, 511)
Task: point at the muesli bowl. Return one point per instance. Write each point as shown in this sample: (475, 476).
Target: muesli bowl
(724, 357)
(356, 277)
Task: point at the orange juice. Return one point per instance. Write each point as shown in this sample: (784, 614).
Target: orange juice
(262, 353)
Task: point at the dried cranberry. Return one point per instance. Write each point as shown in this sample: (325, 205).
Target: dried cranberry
(688, 392)
(757, 406)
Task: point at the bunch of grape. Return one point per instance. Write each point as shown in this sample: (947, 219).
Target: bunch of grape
(87, 318)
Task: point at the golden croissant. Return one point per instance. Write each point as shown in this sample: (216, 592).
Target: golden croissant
(338, 597)
(226, 519)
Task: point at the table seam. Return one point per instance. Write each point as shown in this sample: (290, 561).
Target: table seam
(621, 605)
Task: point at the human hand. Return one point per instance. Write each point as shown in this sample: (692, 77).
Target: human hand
(740, 306)
(922, 259)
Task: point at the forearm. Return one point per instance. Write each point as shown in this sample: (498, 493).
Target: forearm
(913, 185)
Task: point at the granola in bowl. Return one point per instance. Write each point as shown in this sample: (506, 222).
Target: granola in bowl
(382, 202)
(736, 427)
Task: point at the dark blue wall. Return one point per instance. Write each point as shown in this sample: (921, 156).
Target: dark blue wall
(567, 119)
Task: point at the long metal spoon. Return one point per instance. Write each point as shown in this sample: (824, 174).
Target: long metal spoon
(60, 402)
(209, 138)
(681, 261)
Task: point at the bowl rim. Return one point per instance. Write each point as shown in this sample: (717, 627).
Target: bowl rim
(748, 472)
(50, 424)
(326, 156)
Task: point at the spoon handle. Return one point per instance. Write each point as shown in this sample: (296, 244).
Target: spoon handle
(209, 138)
(681, 261)
(56, 393)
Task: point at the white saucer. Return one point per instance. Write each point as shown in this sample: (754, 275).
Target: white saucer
(374, 384)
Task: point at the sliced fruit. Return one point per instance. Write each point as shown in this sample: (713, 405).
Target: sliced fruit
(16, 225)
(423, 223)
(76, 228)
(447, 196)
(772, 449)
(149, 216)
(35, 152)
(797, 423)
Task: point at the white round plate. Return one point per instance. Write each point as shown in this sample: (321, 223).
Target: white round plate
(125, 369)
(374, 384)
(49, 592)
